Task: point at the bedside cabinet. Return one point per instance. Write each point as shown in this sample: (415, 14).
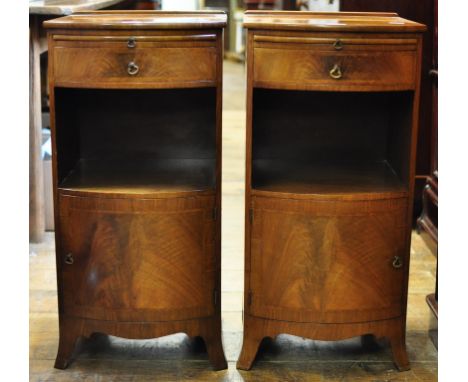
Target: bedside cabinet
(136, 128)
(332, 109)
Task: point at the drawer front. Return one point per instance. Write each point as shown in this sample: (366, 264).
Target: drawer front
(328, 261)
(320, 66)
(152, 64)
(137, 260)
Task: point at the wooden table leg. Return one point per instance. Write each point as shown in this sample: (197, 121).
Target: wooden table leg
(36, 177)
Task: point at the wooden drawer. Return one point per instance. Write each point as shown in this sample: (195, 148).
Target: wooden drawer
(137, 259)
(309, 63)
(327, 261)
(135, 62)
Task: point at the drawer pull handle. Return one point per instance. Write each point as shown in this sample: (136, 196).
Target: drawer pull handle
(69, 259)
(131, 42)
(132, 68)
(338, 44)
(335, 72)
(397, 262)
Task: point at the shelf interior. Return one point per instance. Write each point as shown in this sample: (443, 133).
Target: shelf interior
(331, 142)
(141, 177)
(325, 178)
(136, 141)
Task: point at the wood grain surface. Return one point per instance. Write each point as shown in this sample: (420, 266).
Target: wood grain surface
(330, 21)
(275, 67)
(128, 252)
(141, 20)
(145, 178)
(179, 358)
(316, 261)
(103, 67)
(326, 248)
(137, 178)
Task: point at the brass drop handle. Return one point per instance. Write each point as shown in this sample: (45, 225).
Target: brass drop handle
(131, 43)
(132, 68)
(69, 259)
(338, 44)
(397, 262)
(335, 72)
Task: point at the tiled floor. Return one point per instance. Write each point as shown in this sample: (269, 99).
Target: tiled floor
(176, 358)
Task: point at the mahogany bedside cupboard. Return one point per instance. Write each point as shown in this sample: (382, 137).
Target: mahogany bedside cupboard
(136, 132)
(332, 108)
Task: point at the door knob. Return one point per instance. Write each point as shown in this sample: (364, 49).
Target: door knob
(335, 72)
(131, 43)
(132, 68)
(338, 44)
(397, 262)
(69, 259)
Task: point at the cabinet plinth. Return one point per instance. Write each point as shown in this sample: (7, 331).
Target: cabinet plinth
(136, 137)
(331, 125)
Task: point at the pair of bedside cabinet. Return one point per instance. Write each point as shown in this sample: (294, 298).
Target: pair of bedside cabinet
(332, 101)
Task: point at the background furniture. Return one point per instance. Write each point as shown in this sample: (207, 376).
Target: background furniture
(428, 221)
(332, 113)
(39, 11)
(136, 133)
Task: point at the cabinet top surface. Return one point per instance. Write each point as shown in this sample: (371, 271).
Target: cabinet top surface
(330, 21)
(140, 20)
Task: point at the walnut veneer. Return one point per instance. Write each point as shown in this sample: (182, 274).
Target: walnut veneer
(136, 132)
(332, 111)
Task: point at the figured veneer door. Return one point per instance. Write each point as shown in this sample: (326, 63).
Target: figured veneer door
(137, 259)
(327, 261)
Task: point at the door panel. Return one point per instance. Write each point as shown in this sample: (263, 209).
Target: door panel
(309, 265)
(137, 260)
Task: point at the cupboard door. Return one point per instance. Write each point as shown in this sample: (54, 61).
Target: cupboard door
(137, 260)
(327, 261)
